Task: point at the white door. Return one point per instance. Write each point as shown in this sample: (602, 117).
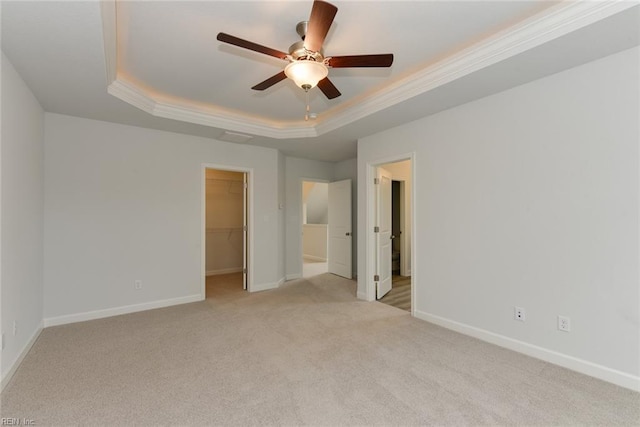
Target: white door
(339, 250)
(244, 232)
(383, 235)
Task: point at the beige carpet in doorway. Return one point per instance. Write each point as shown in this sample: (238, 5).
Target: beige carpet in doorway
(312, 267)
(307, 353)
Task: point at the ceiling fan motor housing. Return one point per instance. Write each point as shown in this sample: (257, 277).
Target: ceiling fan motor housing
(298, 51)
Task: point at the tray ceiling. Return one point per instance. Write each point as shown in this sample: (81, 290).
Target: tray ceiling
(162, 58)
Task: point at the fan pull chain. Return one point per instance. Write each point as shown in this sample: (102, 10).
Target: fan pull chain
(306, 114)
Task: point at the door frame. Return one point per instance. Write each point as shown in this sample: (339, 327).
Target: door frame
(248, 249)
(370, 248)
(301, 229)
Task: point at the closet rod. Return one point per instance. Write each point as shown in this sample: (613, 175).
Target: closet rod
(225, 180)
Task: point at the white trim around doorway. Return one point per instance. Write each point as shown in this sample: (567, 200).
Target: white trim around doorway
(203, 225)
(300, 255)
(370, 215)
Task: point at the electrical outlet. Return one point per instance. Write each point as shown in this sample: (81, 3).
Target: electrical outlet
(564, 324)
(15, 328)
(137, 284)
(518, 313)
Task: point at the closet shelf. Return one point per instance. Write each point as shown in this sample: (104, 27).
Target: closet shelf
(225, 180)
(223, 229)
(233, 186)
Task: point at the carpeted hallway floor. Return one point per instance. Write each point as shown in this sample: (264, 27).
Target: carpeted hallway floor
(308, 353)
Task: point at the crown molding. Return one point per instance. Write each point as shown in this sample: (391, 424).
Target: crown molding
(133, 95)
(551, 23)
(230, 122)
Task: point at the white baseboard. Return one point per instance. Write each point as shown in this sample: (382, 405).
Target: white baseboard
(314, 258)
(604, 373)
(6, 376)
(361, 295)
(224, 271)
(293, 276)
(266, 286)
(116, 311)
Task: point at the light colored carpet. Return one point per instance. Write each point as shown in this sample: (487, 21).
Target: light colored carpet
(312, 268)
(307, 353)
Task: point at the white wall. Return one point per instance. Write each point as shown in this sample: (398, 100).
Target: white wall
(21, 216)
(124, 203)
(530, 198)
(297, 170)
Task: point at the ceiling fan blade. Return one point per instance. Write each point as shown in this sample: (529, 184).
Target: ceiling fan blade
(382, 60)
(322, 14)
(226, 38)
(270, 81)
(329, 90)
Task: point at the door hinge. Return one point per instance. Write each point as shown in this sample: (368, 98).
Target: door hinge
(376, 181)
(376, 278)
(246, 185)
(244, 271)
(376, 229)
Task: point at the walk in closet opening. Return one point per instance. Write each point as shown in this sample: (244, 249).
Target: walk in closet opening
(226, 231)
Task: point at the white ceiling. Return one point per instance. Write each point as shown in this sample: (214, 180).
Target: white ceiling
(174, 75)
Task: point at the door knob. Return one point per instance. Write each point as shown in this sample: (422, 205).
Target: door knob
(347, 234)
(392, 237)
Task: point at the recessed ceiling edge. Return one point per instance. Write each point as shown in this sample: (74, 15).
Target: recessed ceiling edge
(551, 23)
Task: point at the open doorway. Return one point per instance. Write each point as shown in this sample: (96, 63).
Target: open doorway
(393, 240)
(326, 235)
(315, 219)
(225, 220)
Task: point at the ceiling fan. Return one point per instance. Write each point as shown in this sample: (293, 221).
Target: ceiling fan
(308, 67)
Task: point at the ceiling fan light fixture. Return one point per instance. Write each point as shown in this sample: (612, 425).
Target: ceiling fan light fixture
(305, 73)
(307, 66)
